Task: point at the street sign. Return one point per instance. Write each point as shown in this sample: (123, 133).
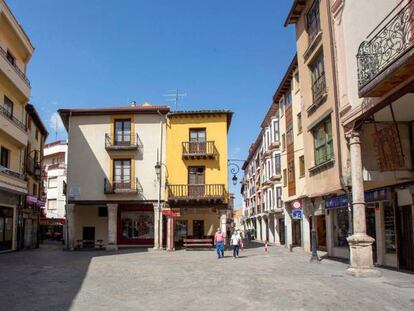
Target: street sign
(297, 214)
(168, 212)
(296, 204)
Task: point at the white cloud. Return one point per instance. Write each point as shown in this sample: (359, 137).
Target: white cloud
(56, 123)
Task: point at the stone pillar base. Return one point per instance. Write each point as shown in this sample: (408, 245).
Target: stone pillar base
(111, 247)
(361, 256)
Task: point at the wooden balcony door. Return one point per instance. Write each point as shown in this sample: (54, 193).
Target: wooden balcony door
(196, 181)
(122, 174)
(122, 135)
(198, 141)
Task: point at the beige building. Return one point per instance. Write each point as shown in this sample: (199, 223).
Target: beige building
(375, 66)
(325, 149)
(112, 187)
(16, 51)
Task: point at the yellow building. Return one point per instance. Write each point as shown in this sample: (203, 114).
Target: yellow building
(15, 53)
(197, 188)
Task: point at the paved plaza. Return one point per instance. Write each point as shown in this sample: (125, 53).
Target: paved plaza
(51, 279)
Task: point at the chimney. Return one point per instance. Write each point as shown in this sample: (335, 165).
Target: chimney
(133, 103)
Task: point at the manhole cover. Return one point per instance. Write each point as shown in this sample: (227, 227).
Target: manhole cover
(401, 284)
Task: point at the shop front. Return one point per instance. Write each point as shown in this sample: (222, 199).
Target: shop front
(6, 228)
(135, 224)
(28, 231)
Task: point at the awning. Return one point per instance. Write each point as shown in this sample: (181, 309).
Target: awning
(52, 221)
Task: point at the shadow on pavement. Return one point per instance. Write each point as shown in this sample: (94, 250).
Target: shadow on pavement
(46, 278)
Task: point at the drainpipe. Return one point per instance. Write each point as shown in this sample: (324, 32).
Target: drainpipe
(67, 188)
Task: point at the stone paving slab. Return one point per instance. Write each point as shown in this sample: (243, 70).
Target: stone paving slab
(51, 279)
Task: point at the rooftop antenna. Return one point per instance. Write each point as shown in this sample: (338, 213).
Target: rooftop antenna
(174, 96)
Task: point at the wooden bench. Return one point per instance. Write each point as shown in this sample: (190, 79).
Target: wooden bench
(198, 243)
(81, 244)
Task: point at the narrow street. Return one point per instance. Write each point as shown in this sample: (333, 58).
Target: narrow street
(51, 279)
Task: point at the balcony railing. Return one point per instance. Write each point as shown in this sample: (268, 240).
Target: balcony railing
(31, 166)
(203, 192)
(9, 172)
(196, 149)
(387, 45)
(318, 90)
(12, 118)
(121, 186)
(129, 142)
(14, 66)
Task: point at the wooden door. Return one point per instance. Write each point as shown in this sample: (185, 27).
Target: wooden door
(198, 141)
(198, 229)
(405, 234)
(296, 233)
(196, 181)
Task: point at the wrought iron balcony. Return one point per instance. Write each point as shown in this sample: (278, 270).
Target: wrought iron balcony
(9, 172)
(387, 56)
(199, 150)
(33, 167)
(130, 142)
(12, 118)
(126, 186)
(15, 68)
(204, 193)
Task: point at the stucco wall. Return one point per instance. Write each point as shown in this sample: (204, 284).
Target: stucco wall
(178, 131)
(87, 216)
(89, 163)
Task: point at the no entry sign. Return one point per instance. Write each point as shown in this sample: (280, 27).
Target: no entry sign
(296, 204)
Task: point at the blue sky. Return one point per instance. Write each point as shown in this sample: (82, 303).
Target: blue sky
(224, 54)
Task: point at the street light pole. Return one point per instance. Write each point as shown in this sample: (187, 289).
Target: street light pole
(314, 257)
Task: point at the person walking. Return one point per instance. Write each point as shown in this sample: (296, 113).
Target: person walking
(219, 242)
(235, 242)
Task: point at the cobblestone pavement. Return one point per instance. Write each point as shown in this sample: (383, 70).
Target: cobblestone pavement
(50, 279)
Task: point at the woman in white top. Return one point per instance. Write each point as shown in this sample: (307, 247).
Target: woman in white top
(235, 242)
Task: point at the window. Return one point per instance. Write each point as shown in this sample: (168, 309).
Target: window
(122, 174)
(4, 157)
(269, 168)
(275, 125)
(276, 164)
(37, 134)
(283, 142)
(291, 170)
(267, 138)
(279, 197)
(122, 132)
(296, 76)
(51, 204)
(284, 178)
(313, 25)
(301, 166)
(35, 190)
(8, 106)
(299, 119)
(52, 182)
(269, 199)
(281, 106)
(29, 123)
(198, 135)
(317, 69)
(288, 99)
(11, 58)
(323, 142)
(341, 225)
(102, 211)
(289, 133)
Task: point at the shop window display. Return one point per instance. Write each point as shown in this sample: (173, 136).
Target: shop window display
(389, 226)
(137, 225)
(341, 226)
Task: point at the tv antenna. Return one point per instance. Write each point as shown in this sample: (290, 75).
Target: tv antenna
(174, 96)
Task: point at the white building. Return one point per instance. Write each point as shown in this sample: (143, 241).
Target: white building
(54, 170)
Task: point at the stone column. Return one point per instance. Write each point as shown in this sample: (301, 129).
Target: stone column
(156, 226)
(277, 230)
(112, 227)
(360, 243)
(170, 233)
(271, 222)
(264, 229)
(258, 229)
(70, 226)
(288, 230)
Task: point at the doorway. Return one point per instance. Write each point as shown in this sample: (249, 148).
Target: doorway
(198, 229)
(321, 232)
(371, 231)
(88, 236)
(282, 231)
(296, 233)
(405, 238)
